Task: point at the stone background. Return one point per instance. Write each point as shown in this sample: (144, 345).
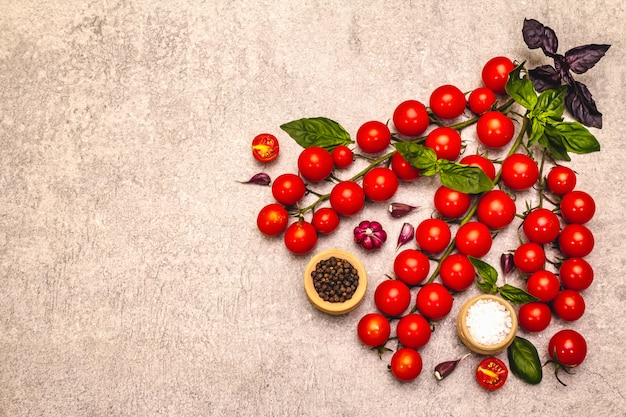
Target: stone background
(133, 281)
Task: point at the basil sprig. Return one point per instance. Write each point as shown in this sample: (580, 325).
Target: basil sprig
(524, 360)
(487, 283)
(317, 131)
(545, 116)
(464, 178)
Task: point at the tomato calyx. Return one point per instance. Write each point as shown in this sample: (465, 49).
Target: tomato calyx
(558, 366)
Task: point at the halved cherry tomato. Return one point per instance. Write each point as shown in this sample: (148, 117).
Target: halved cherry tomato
(491, 373)
(265, 147)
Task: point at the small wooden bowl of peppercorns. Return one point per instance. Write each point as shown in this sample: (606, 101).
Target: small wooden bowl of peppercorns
(335, 281)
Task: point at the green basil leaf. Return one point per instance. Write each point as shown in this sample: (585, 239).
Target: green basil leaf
(524, 360)
(515, 295)
(420, 156)
(464, 178)
(552, 140)
(536, 131)
(577, 138)
(521, 89)
(317, 131)
(550, 105)
(488, 275)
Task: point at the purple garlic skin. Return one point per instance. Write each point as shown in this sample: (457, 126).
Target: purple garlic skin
(370, 235)
(398, 210)
(406, 234)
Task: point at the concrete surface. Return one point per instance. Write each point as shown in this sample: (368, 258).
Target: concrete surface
(133, 281)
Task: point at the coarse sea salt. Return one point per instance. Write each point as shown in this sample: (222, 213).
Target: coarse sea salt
(488, 322)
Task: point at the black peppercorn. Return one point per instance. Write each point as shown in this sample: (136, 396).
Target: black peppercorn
(335, 279)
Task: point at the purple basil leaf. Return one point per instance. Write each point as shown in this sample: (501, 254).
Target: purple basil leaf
(544, 78)
(536, 35)
(582, 58)
(582, 106)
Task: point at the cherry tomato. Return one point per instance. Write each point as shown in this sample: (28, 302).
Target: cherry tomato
(403, 168)
(445, 141)
(494, 129)
(481, 99)
(265, 147)
(315, 164)
(544, 285)
(300, 237)
(373, 136)
(342, 156)
(411, 118)
(413, 331)
(519, 172)
(374, 330)
(392, 297)
(325, 220)
(457, 272)
(561, 180)
(491, 373)
(433, 235)
(577, 207)
(529, 257)
(569, 305)
(576, 240)
(568, 347)
(495, 73)
(288, 189)
(473, 239)
(496, 209)
(380, 184)
(451, 203)
(347, 198)
(272, 219)
(447, 102)
(534, 316)
(406, 364)
(541, 226)
(481, 162)
(576, 274)
(411, 266)
(434, 301)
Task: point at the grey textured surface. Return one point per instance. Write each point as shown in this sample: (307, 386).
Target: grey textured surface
(133, 280)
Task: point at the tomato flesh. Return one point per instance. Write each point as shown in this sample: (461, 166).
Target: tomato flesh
(491, 373)
(265, 147)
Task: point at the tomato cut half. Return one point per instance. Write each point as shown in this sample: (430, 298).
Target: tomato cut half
(491, 373)
(265, 147)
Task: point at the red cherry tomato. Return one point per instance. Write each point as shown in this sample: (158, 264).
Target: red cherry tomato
(567, 347)
(265, 147)
(481, 162)
(561, 180)
(541, 226)
(495, 73)
(300, 237)
(433, 235)
(576, 274)
(447, 102)
(576, 240)
(272, 219)
(445, 141)
(325, 220)
(434, 301)
(347, 198)
(411, 266)
(544, 285)
(392, 297)
(413, 331)
(410, 118)
(451, 203)
(457, 272)
(577, 207)
(380, 184)
(534, 316)
(342, 156)
(406, 364)
(496, 209)
(473, 239)
(519, 172)
(403, 168)
(315, 164)
(373, 136)
(288, 189)
(374, 330)
(481, 100)
(491, 373)
(568, 305)
(529, 257)
(494, 129)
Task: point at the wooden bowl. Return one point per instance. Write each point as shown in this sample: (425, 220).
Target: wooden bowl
(338, 307)
(466, 337)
